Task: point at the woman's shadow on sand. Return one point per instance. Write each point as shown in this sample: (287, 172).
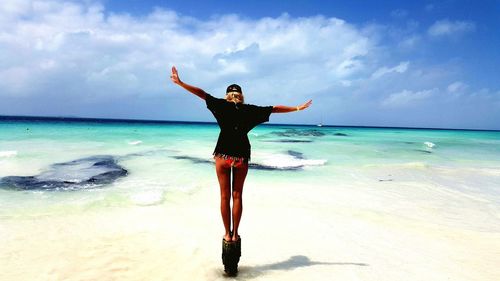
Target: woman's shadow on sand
(292, 263)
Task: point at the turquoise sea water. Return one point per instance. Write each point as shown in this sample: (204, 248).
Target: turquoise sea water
(167, 159)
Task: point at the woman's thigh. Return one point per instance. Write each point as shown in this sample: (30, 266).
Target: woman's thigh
(223, 171)
(239, 176)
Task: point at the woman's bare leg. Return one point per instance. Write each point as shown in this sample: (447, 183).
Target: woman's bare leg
(223, 171)
(239, 175)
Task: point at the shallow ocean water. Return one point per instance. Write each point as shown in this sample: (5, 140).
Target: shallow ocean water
(161, 157)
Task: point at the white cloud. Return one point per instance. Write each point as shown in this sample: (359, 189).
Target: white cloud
(407, 98)
(450, 28)
(14, 8)
(410, 41)
(457, 87)
(486, 96)
(400, 68)
(118, 55)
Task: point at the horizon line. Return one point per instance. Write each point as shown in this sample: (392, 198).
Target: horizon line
(117, 120)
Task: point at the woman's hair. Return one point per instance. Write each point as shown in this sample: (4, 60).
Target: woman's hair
(235, 97)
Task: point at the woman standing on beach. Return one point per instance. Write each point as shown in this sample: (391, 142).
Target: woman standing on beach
(232, 152)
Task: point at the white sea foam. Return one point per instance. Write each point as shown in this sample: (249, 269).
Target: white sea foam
(429, 144)
(285, 161)
(135, 142)
(8, 153)
(406, 165)
(148, 198)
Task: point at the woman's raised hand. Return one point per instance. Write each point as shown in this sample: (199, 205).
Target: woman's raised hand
(305, 105)
(175, 76)
(195, 90)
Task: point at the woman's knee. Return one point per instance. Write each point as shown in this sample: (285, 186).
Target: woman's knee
(225, 197)
(237, 195)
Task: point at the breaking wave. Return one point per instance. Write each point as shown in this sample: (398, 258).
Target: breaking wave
(8, 153)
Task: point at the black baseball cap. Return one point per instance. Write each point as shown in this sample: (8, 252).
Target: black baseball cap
(233, 88)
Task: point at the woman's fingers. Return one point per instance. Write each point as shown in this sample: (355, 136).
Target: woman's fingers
(175, 75)
(306, 105)
(174, 72)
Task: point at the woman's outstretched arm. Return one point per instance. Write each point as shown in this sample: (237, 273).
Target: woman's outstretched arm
(195, 90)
(285, 109)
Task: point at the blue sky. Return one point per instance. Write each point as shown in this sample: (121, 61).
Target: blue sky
(371, 63)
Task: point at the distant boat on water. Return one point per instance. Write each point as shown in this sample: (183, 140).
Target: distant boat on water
(320, 124)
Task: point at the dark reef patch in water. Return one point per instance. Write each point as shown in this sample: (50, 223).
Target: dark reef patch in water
(195, 160)
(424, 151)
(296, 154)
(289, 140)
(341, 134)
(77, 174)
(152, 152)
(299, 133)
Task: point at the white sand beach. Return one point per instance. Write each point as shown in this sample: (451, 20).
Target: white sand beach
(297, 232)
